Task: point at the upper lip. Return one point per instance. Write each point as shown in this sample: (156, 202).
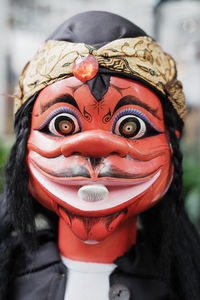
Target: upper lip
(82, 179)
(65, 191)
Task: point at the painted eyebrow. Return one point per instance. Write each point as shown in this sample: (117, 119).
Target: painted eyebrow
(129, 99)
(66, 98)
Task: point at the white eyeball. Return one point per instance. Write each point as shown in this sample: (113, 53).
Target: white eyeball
(64, 124)
(130, 126)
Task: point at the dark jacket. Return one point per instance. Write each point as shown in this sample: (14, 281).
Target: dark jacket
(44, 277)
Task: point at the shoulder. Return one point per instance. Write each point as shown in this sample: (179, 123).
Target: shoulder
(42, 272)
(137, 272)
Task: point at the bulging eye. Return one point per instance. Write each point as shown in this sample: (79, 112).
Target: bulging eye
(64, 124)
(130, 126)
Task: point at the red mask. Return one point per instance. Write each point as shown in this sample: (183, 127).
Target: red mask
(96, 164)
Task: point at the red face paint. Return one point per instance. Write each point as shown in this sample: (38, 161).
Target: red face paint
(96, 164)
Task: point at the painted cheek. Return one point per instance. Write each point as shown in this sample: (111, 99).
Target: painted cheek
(154, 194)
(40, 194)
(43, 144)
(149, 146)
(158, 188)
(143, 150)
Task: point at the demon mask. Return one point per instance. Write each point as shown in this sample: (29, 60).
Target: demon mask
(98, 151)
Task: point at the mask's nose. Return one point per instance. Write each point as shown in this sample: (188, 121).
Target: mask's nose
(95, 143)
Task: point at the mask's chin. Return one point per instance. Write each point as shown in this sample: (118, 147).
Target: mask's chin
(92, 230)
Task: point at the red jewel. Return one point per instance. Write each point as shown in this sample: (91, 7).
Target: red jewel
(85, 67)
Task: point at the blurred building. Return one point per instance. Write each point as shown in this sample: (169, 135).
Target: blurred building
(177, 27)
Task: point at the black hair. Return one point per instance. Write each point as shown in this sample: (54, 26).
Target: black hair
(18, 209)
(169, 231)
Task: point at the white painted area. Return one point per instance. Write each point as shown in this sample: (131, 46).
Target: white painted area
(87, 280)
(117, 194)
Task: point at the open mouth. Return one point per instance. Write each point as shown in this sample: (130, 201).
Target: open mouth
(119, 191)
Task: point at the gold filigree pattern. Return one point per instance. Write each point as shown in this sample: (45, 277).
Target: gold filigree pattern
(141, 57)
(176, 97)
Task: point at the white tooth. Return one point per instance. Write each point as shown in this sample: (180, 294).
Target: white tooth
(93, 193)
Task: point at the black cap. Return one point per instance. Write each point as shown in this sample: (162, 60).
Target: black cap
(95, 28)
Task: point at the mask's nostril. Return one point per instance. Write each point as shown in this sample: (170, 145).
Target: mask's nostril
(76, 153)
(95, 161)
(116, 153)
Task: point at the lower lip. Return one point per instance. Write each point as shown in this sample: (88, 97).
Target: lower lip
(117, 194)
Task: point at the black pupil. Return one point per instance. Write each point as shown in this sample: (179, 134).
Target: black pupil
(64, 125)
(129, 127)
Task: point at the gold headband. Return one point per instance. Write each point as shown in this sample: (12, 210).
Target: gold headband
(141, 57)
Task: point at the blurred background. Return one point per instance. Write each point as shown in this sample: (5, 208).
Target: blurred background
(24, 24)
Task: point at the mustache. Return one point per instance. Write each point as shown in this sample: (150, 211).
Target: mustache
(115, 172)
(76, 171)
(82, 171)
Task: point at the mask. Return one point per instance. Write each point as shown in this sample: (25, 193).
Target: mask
(98, 163)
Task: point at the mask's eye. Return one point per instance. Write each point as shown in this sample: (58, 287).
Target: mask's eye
(64, 124)
(130, 127)
(133, 124)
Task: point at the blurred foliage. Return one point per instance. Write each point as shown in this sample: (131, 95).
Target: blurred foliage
(191, 184)
(191, 175)
(4, 151)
